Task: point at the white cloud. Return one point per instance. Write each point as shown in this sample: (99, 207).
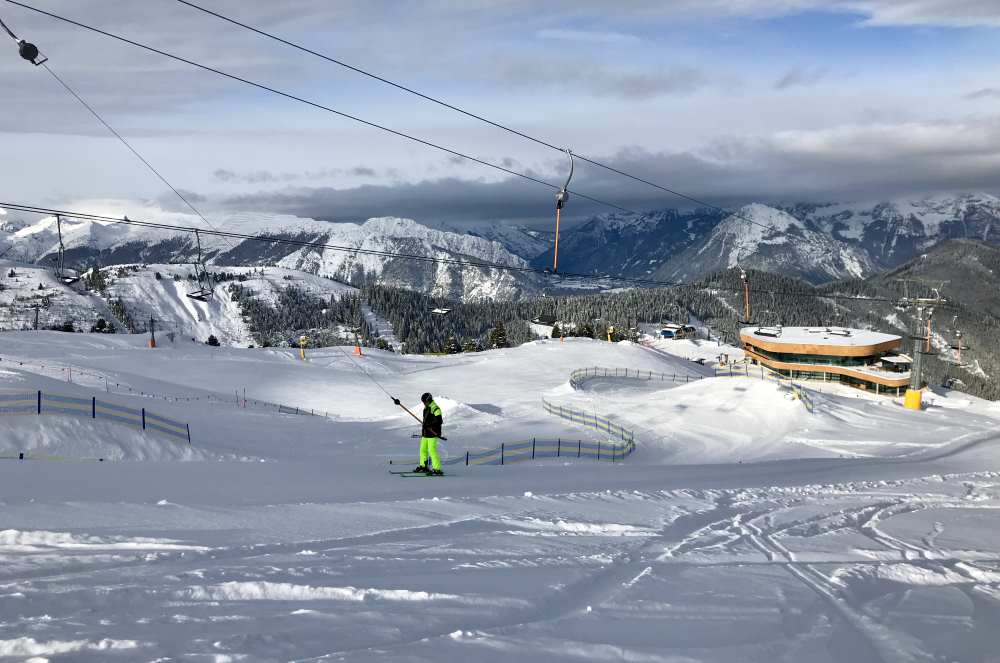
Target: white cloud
(588, 36)
(949, 13)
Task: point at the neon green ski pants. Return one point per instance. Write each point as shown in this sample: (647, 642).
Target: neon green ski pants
(429, 446)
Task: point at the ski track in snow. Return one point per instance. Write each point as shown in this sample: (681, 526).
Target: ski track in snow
(285, 539)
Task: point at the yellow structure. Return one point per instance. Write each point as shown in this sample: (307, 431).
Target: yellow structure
(303, 342)
(912, 399)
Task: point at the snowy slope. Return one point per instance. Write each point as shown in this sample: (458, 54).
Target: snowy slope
(143, 295)
(56, 302)
(287, 540)
(167, 301)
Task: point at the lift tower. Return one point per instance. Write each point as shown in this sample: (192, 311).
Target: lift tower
(924, 307)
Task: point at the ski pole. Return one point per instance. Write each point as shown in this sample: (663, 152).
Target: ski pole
(396, 401)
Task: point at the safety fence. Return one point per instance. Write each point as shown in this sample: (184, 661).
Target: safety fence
(591, 420)
(41, 403)
(67, 373)
(537, 448)
(581, 375)
(736, 370)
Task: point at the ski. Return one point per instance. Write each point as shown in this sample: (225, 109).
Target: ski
(410, 475)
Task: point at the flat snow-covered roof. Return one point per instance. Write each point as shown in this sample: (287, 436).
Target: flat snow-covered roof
(818, 335)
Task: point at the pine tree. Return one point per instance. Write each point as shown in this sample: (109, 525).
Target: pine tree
(213, 341)
(95, 280)
(452, 346)
(498, 336)
(556, 331)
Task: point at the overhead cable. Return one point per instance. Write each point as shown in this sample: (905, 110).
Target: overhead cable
(315, 104)
(131, 149)
(468, 113)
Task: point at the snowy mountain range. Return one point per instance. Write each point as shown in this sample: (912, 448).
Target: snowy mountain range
(89, 242)
(770, 240)
(629, 245)
(817, 242)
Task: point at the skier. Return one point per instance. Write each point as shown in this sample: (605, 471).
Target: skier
(429, 433)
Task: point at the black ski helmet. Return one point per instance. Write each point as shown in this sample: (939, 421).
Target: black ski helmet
(426, 398)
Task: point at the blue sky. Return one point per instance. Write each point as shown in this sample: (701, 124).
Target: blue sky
(731, 101)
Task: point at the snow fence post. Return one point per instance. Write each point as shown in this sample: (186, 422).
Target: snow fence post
(143, 418)
(579, 446)
(598, 450)
(558, 446)
(93, 407)
(532, 448)
(466, 458)
(39, 401)
(501, 453)
(188, 427)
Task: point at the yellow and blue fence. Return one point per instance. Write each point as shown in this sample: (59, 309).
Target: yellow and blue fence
(536, 449)
(44, 403)
(733, 370)
(591, 420)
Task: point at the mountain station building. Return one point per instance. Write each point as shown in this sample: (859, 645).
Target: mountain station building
(857, 357)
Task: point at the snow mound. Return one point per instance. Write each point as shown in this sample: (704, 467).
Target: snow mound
(559, 527)
(21, 647)
(283, 591)
(58, 438)
(12, 540)
(926, 576)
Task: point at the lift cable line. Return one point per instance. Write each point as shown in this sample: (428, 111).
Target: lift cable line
(317, 105)
(34, 209)
(378, 384)
(66, 86)
(128, 145)
(468, 113)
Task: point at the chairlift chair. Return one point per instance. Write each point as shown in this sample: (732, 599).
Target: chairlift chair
(205, 288)
(66, 277)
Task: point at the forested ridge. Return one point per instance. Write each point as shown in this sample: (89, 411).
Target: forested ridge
(422, 325)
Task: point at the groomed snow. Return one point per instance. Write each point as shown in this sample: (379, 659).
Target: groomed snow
(743, 528)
